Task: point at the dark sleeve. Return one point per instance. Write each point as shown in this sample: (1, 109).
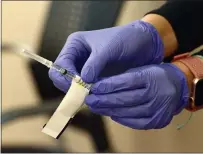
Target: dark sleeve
(186, 18)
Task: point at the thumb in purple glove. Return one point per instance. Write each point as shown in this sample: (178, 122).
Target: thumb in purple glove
(92, 52)
(142, 98)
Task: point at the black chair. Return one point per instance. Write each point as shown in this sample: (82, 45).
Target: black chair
(66, 17)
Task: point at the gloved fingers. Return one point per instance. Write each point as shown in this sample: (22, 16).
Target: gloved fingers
(67, 60)
(74, 54)
(60, 81)
(142, 111)
(125, 81)
(163, 117)
(166, 123)
(62, 87)
(93, 67)
(144, 123)
(135, 123)
(119, 99)
(75, 45)
(157, 119)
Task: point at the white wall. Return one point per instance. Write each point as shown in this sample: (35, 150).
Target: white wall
(21, 22)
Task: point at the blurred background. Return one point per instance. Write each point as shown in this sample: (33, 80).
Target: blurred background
(29, 98)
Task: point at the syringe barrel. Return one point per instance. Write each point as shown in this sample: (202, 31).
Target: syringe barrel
(81, 82)
(40, 59)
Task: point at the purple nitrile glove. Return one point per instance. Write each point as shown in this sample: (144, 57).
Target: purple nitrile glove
(88, 53)
(142, 98)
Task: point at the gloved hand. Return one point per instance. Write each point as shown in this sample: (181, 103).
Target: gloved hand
(89, 53)
(142, 98)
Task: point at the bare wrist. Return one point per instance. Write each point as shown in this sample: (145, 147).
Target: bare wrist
(165, 31)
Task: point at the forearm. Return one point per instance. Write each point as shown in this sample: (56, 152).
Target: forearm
(179, 24)
(165, 31)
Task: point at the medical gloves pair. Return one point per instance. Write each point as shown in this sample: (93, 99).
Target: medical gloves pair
(144, 94)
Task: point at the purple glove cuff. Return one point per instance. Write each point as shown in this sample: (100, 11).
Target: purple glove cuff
(158, 46)
(180, 82)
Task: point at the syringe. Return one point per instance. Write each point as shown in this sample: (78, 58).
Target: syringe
(71, 103)
(51, 65)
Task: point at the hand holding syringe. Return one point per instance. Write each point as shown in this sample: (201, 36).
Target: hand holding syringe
(71, 103)
(51, 65)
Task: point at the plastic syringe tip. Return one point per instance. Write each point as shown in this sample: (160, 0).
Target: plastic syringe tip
(35, 57)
